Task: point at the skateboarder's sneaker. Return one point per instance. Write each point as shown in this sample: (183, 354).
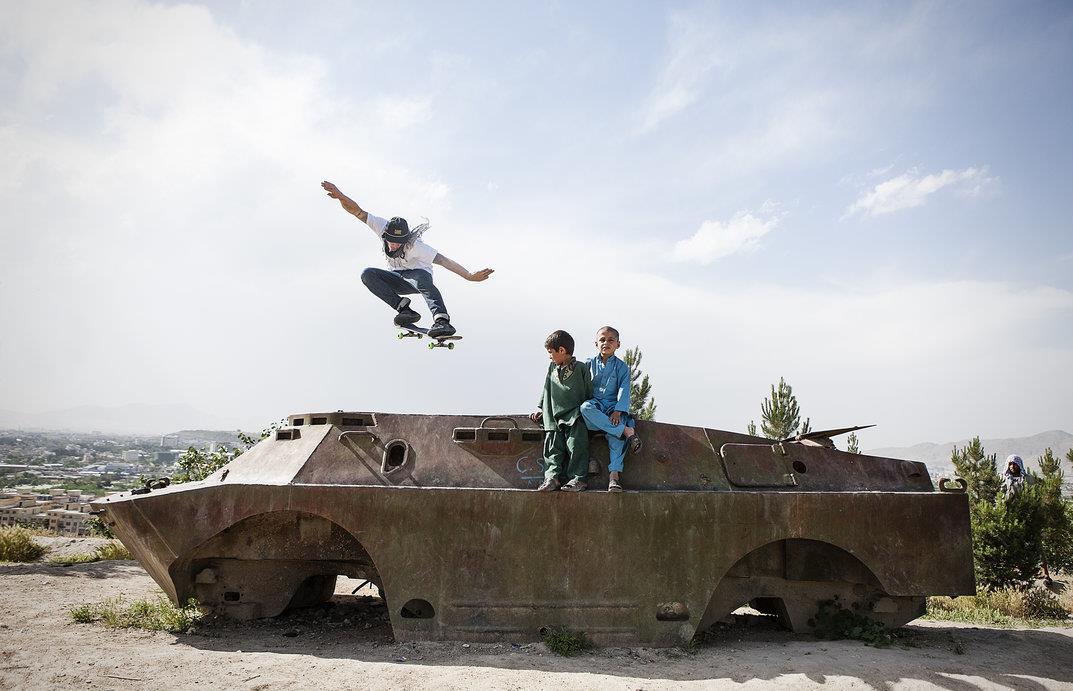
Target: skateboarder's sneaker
(406, 316)
(441, 328)
(575, 485)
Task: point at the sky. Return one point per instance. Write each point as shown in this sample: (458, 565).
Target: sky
(872, 200)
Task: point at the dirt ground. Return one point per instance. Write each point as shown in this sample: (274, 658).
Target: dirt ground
(347, 644)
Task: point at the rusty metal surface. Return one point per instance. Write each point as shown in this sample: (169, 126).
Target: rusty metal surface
(461, 553)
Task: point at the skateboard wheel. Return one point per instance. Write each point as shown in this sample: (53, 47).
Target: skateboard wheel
(401, 335)
(450, 346)
(431, 346)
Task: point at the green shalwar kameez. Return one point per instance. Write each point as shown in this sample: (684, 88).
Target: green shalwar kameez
(566, 387)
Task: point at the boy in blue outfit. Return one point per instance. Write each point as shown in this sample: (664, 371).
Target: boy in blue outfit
(608, 410)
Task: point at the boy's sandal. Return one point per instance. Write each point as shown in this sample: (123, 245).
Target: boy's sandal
(613, 486)
(635, 444)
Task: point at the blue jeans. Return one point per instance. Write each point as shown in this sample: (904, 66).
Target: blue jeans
(599, 421)
(390, 286)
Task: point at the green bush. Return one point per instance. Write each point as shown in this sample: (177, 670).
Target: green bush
(562, 641)
(152, 615)
(1014, 536)
(99, 528)
(1007, 539)
(17, 544)
(834, 622)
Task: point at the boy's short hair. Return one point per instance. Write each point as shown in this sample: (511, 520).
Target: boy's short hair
(612, 330)
(560, 339)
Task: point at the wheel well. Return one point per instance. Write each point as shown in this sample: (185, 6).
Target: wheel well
(260, 565)
(788, 578)
(803, 560)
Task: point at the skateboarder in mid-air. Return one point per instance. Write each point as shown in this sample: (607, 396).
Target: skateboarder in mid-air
(411, 263)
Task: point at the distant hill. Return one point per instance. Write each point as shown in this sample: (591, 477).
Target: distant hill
(140, 419)
(937, 456)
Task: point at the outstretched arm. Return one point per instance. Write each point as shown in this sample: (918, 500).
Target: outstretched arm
(348, 204)
(457, 268)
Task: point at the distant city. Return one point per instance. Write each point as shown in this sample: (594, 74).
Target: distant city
(47, 479)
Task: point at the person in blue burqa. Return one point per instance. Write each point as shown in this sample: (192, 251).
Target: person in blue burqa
(1015, 478)
(608, 410)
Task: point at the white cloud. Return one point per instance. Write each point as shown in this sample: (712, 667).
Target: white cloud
(911, 189)
(718, 239)
(695, 52)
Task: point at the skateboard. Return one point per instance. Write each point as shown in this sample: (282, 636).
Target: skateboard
(421, 332)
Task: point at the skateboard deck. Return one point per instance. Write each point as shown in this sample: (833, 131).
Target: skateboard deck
(421, 332)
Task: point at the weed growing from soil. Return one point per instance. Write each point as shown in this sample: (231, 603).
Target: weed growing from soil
(113, 551)
(562, 641)
(17, 544)
(1002, 607)
(106, 552)
(833, 622)
(152, 615)
(72, 559)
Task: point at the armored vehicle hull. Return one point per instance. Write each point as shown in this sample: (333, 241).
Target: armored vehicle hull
(433, 510)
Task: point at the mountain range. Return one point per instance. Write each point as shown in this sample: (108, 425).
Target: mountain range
(937, 456)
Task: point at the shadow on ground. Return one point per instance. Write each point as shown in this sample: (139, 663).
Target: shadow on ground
(356, 628)
(96, 569)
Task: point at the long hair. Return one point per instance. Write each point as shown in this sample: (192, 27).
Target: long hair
(397, 258)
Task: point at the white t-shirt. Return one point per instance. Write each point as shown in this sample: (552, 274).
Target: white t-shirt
(417, 256)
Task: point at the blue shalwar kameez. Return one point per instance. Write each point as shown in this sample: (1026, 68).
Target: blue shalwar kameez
(611, 392)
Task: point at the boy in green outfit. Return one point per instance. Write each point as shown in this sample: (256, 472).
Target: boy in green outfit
(567, 385)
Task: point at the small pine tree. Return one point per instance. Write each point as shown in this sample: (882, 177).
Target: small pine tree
(852, 443)
(751, 429)
(780, 414)
(978, 470)
(642, 406)
(1057, 517)
(1007, 541)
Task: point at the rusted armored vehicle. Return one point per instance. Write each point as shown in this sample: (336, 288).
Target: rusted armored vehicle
(436, 511)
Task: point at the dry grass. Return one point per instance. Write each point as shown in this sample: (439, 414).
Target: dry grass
(17, 544)
(1006, 607)
(106, 552)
